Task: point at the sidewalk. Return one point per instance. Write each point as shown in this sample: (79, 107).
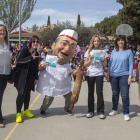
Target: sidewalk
(58, 126)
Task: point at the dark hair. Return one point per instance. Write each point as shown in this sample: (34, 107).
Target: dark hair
(6, 37)
(117, 39)
(32, 39)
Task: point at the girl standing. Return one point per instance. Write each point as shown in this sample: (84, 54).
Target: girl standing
(5, 65)
(95, 75)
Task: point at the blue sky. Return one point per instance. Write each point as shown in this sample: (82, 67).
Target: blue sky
(91, 11)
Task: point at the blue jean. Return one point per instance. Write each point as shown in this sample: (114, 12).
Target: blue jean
(120, 84)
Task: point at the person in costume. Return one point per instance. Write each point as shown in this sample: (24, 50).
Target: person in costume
(56, 82)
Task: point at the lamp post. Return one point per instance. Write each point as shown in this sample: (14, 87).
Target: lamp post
(19, 24)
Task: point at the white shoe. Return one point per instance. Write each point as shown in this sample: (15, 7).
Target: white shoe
(89, 115)
(102, 116)
(126, 117)
(113, 113)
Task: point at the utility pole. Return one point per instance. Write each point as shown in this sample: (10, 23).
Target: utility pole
(19, 24)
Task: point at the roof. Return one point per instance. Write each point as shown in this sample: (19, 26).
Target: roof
(18, 32)
(24, 35)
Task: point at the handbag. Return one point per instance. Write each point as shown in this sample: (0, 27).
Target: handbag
(12, 75)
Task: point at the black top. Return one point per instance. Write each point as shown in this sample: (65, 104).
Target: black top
(32, 69)
(24, 63)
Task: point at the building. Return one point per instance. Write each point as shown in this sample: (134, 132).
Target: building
(25, 36)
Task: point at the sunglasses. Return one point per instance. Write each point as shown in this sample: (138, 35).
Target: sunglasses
(35, 41)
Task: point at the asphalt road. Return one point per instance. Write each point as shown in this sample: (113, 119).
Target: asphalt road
(58, 126)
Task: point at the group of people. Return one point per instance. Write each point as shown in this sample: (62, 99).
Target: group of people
(32, 69)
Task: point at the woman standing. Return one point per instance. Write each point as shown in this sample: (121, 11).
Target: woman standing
(95, 75)
(5, 65)
(27, 76)
(120, 71)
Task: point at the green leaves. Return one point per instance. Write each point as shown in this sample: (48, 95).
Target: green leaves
(130, 14)
(50, 34)
(10, 12)
(34, 28)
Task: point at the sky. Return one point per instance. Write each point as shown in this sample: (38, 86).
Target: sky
(91, 11)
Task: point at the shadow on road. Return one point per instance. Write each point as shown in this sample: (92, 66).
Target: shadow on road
(79, 111)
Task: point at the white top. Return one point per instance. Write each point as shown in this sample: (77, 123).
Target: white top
(95, 68)
(55, 82)
(5, 60)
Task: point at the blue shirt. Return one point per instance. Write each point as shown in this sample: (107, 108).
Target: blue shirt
(121, 63)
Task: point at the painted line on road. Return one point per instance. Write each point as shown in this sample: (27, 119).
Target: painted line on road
(18, 123)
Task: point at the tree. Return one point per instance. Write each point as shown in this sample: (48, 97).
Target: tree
(11, 12)
(130, 14)
(78, 21)
(121, 1)
(107, 27)
(34, 28)
(48, 22)
(1, 8)
(84, 33)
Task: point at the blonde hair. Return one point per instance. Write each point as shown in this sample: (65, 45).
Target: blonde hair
(92, 44)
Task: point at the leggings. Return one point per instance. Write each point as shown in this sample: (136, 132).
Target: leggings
(99, 90)
(24, 98)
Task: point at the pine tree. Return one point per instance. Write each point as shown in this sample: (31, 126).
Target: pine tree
(78, 21)
(48, 22)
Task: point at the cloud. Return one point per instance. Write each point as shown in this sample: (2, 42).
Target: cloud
(62, 16)
(89, 16)
(112, 12)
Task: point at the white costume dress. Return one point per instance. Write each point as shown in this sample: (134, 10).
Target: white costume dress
(55, 82)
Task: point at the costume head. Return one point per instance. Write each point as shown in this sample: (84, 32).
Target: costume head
(65, 45)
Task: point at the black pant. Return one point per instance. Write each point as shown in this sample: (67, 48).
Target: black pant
(99, 90)
(3, 83)
(24, 98)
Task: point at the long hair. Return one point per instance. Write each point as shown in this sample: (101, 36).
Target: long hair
(33, 38)
(117, 39)
(6, 37)
(92, 44)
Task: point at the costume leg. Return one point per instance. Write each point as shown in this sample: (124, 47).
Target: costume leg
(67, 101)
(46, 103)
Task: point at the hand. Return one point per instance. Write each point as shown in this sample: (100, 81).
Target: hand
(45, 64)
(129, 81)
(34, 57)
(35, 82)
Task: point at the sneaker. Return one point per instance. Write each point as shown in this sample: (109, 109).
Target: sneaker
(102, 116)
(126, 117)
(27, 113)
(2, 125)
(113, 113)
(42, 112)
(89, 115)
(18, 118)
(138, 114)
(69, 112)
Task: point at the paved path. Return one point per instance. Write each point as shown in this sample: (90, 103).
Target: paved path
(58, 126)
